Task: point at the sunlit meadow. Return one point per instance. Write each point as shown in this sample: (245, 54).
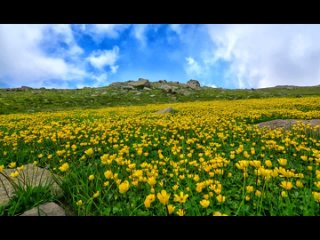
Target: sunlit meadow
(205, 159)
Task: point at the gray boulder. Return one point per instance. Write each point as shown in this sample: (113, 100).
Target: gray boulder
(47, 209)
(141, 83)
(166, 110)
(193, 84)
(30, 176)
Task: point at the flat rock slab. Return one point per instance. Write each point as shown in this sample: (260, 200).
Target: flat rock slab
(166, 110)
(286, 124)
(47, 209)
(31, 175)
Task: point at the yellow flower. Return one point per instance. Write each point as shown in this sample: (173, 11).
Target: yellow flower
(317, 184)
(299, 184)
(35, 163)
(79, 203)
(217, 213)
(268, 163)
(304, 158)
(258, 193)
(286, 185)
(206, 196)
(284, 194)
(163, 197)
(64, 167)
(124, 187)
(175, 187)
(89, 152)
(108, 174)
(181, 212)
(91, 177)
(282, 161)
(1, 168)
(205, 203)
(247, 198)
(152, 181)
(96, 194)
(316, 196)
(149, 199)
(14, 174)
(249, 189)
(309, 168)
(21, 168)
(12, 165)
(182, 198)
(105, 184)
(221, 198)
(170, 209)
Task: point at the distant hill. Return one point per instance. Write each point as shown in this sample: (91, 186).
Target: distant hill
(141, 91)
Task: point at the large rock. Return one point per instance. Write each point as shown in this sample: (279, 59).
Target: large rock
(193, 84)
(168, 89)
(47, 209)
(31, 175)
(140, 83)
(166, 110)
(288, 123)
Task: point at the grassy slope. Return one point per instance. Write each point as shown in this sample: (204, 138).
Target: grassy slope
(36, 100)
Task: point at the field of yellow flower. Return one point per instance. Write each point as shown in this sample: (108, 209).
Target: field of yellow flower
(207, 158)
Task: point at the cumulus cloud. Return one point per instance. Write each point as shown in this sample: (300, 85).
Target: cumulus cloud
(193, 68)
(24, 61)
(102, 58)
(268, 55)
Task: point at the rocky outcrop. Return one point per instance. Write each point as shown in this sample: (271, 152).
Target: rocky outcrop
(193, 84)
(30, 176)
(47, 209)
(140, 83)
(168, 89)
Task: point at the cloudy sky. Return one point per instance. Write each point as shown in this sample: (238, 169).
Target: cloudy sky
(228, 56)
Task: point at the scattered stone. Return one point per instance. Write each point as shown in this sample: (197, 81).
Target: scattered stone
(31, 175)
(127, 87)
(152, 95)
(146, 88)
(286, 124)
(193, 84)
(47, 209)
(166, 110)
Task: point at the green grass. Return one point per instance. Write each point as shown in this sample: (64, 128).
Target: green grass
(37, 100)
(26, 198)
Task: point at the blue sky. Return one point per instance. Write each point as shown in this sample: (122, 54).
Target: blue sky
(218, 55)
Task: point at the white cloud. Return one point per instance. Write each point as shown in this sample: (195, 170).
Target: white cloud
(101, 31)
(193, 68)
(99, 59)
(114, 68)
(268, 55)
(139, 32)
(23, 60)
